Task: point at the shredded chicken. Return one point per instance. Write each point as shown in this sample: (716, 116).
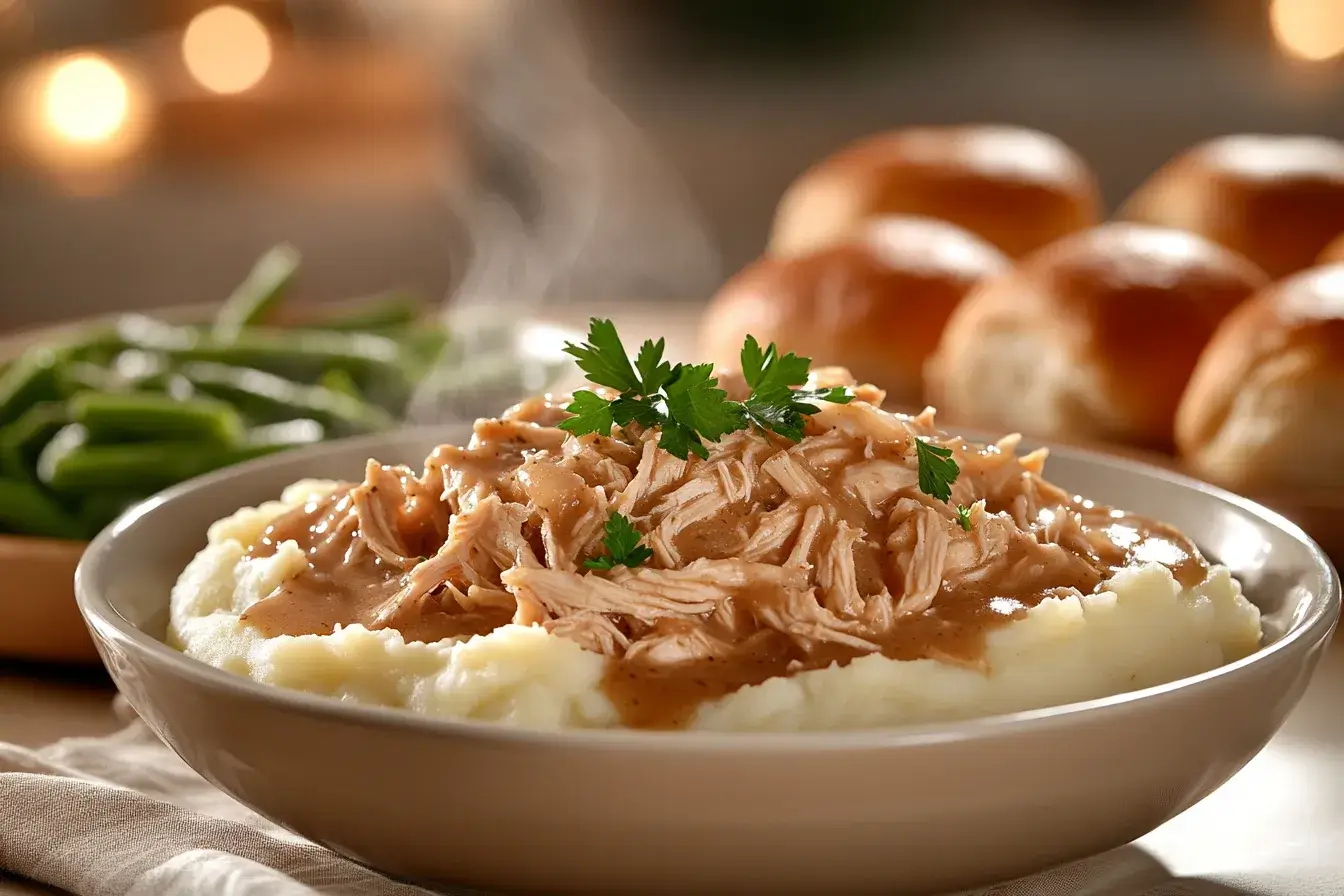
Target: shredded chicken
(768, 556)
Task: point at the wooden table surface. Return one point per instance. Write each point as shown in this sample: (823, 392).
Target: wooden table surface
(40, 704)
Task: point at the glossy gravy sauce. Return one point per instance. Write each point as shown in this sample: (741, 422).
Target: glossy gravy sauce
(953, 629)
(346, 583)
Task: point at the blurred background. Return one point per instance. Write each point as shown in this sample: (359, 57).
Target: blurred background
(558, 151)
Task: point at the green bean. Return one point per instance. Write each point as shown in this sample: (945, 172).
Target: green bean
(26, 509)
(137, 331)
(256, 297)
(286, 434)
(172, 384)
(150, 372)
(32, 378)
(22, 441)
(422, 348)
(99, 509)
(84, 376)
(266, 398)
(149, 417)
(68, 438)
(69, 465)
(338, 380)
(251, 451)
(389, 310)
(136, 366)
(375, 363)
(97, 345)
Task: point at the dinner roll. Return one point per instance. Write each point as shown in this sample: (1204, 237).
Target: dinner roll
(875, 305)
(1265, 405)
(1090, 339)
(1276, 200)
(1017, 188)
(1333, 251)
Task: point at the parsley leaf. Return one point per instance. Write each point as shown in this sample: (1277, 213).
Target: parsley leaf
(835, 395)
(753, 361)
(592, 413)
(777, 417)
(769, 373)
(684, 399)
(775, 404)
(603, 357)
(695, 401)
(622, 543)
(937, 470)
(964, 517)
(654, 372)
(627, 409)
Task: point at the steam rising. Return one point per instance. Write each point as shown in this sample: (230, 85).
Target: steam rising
(565, 202)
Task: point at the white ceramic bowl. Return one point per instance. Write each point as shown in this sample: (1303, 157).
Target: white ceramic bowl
(908, 810)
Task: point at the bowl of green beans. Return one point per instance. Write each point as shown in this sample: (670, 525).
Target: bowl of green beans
(98, 416)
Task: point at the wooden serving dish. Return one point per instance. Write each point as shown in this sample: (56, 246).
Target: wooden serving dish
(38, 617)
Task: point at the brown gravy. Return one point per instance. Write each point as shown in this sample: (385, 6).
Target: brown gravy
(345, 583)
(953, 631)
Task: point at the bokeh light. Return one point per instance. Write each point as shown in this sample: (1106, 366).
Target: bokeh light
(82, 117)
(226, 49)
(86, 99)
(1312, 30)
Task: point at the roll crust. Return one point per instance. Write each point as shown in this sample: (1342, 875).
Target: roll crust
(876, 305)
(1091, 338)
(1265, 403)
(1278, 200)
(1333, 252)
(1017, 188)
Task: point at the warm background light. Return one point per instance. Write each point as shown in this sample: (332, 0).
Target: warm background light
(1308, 29)
(226, 49)
(86, 99)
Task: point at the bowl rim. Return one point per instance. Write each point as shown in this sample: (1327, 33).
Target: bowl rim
(107, 623)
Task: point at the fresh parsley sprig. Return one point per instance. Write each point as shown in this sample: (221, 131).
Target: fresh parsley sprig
(937, 472)
(623, 545)
(684, 400)
(776, 403)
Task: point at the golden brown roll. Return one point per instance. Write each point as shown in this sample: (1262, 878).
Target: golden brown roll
(1265, 404)
(1333, 251)
(1277, 200)
(1017, 188)
(1090, 339)
(875, 305)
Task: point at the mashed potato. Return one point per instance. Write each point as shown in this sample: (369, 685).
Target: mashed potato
(1142, 630)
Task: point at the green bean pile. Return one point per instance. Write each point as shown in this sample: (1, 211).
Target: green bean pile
(115, 413)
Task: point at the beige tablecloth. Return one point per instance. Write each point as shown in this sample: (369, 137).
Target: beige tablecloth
(122, 816)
